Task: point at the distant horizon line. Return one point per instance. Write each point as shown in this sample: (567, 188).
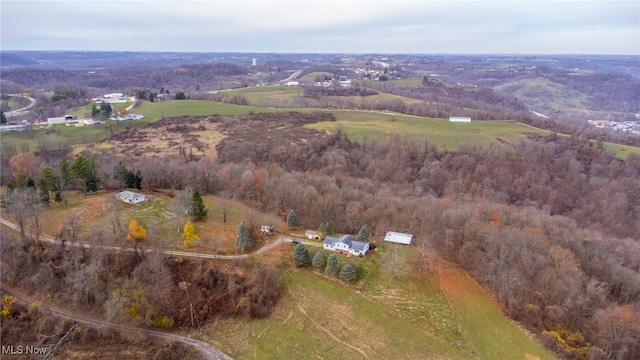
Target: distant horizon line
(319, 53)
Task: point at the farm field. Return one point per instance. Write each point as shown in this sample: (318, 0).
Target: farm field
(155, 111)
(276, 94)
(357, 124)
(322, 317)
(310, 78)
(440, 132)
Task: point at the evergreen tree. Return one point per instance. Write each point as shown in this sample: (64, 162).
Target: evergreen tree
(318, 260)
(94, 110)
(65, 178)
(3, 118)
(363, 235)
(301, 255)
(292, 219)
(243, 238)
(105, 109)
(348, 273)
(322, 229)
(48, 184)
(198, 210)
(331, 228)
(327, 228)
(86, 170)
(332, 265)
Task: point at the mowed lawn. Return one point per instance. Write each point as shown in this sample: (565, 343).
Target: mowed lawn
(216, 236)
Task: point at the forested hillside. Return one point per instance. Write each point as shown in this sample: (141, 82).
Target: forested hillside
(549, 224)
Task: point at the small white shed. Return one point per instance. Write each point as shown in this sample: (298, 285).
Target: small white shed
(398, 238)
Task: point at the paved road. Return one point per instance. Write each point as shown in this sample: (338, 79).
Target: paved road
(208, 351)
(32, 103)
(293, 76)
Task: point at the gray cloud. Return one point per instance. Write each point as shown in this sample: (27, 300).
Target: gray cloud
(507, 26)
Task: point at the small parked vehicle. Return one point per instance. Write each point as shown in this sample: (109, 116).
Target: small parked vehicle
(296, 242)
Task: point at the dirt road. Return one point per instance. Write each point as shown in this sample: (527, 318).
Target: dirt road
(208, 351)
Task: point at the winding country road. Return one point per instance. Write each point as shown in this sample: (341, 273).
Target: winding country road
(282, 240)
(32, 103)
(207, 350)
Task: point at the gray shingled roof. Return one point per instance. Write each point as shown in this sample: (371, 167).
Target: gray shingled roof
(347, 239)
(358, 245)
(330, 240)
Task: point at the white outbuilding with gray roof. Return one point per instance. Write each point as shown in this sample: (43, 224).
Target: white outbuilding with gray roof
(398, 238)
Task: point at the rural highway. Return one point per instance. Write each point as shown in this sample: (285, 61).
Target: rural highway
(208, 351)
(32, 103)
(293, 76)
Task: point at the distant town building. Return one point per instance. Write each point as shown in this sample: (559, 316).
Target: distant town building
(254, 62)
(12, 128)
(113, 96)
(292, 83)
(462, 119)
(57, 120)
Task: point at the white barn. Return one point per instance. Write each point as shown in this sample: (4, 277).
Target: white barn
(398, 238)
(462, 119)
(130, 197)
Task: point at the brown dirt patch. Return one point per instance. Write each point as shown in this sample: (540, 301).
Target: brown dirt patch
(196, 137)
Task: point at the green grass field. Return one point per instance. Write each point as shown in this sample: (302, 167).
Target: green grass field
(155, 111)
(84, 112)
(407, 318)
(357, 124)
(310, 78)
(12, 103)
(277, 94)
(440, 132)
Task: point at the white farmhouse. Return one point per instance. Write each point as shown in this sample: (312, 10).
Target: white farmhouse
(130, 197)
(346, 244)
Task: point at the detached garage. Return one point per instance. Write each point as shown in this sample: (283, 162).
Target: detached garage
(130, 197)
(398, 238)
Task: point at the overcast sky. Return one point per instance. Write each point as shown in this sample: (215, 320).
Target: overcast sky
(345, 26)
